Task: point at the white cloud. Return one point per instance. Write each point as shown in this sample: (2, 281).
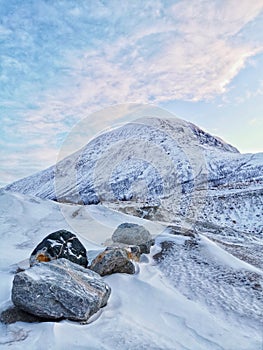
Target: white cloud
(215, 18)
(190, 50)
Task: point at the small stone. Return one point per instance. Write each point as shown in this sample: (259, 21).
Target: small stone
(146, 247)
(113, 260)
(60, 289)
(133, 252)
(57, 245)
(14, 314)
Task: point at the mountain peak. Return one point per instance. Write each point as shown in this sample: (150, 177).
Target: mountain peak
(169, 164)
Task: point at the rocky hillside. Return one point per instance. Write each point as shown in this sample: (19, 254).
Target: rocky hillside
(167, 170)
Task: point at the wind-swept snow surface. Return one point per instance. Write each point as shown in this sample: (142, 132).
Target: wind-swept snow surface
(198, 296)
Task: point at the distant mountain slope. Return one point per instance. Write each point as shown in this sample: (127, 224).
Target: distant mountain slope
(150, 133)
(165, 163)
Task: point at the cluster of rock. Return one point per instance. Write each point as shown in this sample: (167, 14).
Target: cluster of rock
(127, 244)
(61, 284)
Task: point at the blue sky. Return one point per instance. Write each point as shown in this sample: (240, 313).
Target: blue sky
(62, 60)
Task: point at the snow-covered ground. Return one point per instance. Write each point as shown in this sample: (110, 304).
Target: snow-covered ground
(206, 292)
(198, 297)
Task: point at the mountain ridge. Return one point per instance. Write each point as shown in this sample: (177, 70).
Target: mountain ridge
(168, 163)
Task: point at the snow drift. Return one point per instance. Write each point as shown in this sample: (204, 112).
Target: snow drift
(201, 298)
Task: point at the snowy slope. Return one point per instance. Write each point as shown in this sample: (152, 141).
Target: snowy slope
(151, 149)
(196, 298)
(188, 176)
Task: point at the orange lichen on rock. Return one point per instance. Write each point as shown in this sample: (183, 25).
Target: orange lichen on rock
(42, 258)
(132, 256)
(100, 256)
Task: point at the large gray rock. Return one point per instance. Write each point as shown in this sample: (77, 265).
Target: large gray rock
(60, 289)
(57, 245)
(133, 234)
(113, 260)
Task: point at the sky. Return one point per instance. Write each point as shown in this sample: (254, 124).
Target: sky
(62, 60)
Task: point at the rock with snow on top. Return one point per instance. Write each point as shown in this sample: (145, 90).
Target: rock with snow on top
(60, 289)
(60, 244)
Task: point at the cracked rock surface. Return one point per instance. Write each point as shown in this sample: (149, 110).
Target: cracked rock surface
(60, 289)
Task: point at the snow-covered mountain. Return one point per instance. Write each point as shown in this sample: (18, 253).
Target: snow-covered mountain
(201, 287)
(164, 169)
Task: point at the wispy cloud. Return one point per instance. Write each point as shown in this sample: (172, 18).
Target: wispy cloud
(61, 61)
(189, 51)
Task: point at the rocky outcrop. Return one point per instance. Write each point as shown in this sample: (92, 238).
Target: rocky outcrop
(113, 260)
(57, 285)
(127, 244)
(60, 244)
(170, 170)
(165, 248)
(60, 289)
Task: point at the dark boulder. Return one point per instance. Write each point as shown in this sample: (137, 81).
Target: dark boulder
(60, 244)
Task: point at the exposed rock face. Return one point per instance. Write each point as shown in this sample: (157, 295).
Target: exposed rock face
(113, 260)
(60, 244)
(60, 289)
(166, 246)
(169, 169)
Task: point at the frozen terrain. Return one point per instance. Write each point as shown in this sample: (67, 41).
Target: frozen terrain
(197, 297)
(202, 285)
(181, 173)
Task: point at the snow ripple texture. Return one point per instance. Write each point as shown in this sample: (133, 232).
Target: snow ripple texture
(199, 297)
(198, 269)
